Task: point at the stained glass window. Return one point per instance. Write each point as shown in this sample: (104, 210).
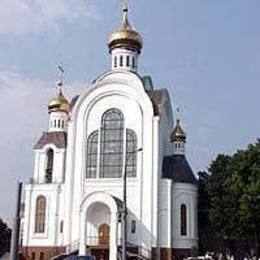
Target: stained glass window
(131, 150)
(112, 144)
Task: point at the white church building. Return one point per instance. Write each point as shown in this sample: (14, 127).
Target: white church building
(119, 125)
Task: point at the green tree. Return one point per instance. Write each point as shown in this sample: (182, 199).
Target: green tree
(5, 238)
(233, 189)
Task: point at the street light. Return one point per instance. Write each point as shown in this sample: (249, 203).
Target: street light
(124, 215)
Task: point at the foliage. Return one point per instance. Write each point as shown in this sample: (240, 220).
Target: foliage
(231, 193)
(5, 238)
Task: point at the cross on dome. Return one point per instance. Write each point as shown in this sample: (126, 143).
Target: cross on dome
(61, 71)
(59, 102)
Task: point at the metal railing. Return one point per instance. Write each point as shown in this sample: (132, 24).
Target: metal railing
(73, 246)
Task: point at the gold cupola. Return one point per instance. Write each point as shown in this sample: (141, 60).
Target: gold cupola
(125, 37)
(178, 134)
(59, 103)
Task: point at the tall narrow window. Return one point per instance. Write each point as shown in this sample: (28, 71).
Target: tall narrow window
(92, 148)
(121, 61)
(131, 147)
(183, 220)
(112, 140)
(40, 213)
(61, 226)
(49, 166)
(59, 123)
(133, 62)
(127, 61)
(115, 62)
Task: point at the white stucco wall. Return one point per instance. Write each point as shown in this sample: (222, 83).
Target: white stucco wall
(152, 202)
(184, 193)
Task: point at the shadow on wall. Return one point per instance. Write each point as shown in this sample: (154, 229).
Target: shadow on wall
(139, 235)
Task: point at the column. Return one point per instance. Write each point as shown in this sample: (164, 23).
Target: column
(113, 237)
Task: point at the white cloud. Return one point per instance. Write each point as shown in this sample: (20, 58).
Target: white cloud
(19, 17)
(23, 115)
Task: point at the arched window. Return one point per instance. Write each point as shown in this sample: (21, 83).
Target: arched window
(112, 144)
(59, 123)
(40, 213)
(121, 61)
(92, 149)
(49, 166)
(131, 150)
(183, 220)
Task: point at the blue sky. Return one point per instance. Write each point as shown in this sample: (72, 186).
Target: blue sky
(205, 52)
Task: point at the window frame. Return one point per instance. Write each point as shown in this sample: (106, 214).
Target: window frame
(111, 144)
(90, 162)
(40, 215)
(112, 135)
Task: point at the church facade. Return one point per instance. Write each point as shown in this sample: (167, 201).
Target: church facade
(118, 126)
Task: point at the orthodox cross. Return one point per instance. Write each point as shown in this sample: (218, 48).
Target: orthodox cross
(61, 71)
(126, 6)
(178, 113)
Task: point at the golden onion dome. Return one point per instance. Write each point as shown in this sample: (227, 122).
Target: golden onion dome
(178, 133)
(59, 103)
(125, 36)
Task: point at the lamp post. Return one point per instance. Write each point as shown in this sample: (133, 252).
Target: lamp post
(124, 215)
(16, 227)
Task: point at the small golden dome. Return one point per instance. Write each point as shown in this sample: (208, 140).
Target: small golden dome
(125, 36)
(178, 133)
(59, 103)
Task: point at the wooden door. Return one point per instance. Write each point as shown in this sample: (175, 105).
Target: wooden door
(103, 233)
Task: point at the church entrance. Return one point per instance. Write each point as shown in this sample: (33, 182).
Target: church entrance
(99, 222)
(104, 235)
(101, 251)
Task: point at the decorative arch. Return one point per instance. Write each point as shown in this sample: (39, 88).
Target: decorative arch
(86, 205)
(92, 154)
(40, 214)
(112, 144)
